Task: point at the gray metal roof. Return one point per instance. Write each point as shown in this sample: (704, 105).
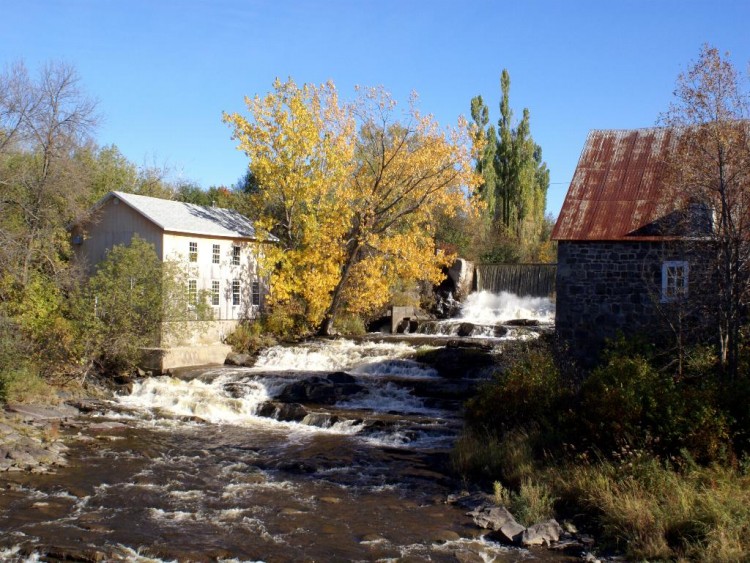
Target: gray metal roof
(179, 217)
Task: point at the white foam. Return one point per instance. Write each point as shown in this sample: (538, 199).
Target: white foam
(488, 308)
(336, 355)
(388, 398)
(405, 368)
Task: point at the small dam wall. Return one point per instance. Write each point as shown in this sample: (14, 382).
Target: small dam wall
(536, 280)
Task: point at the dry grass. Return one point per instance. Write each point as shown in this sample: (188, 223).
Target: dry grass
(532, 503)
(25, 385)
(654, 512)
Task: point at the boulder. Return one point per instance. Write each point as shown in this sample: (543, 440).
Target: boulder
(462, 275)
(500, 331)
(499, 519)
(522, 322)
(543, 533)
(465, 329)
(320, 390)
(285, 412)
(234, 359)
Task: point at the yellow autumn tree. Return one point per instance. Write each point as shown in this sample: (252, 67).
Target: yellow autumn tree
(352, 192)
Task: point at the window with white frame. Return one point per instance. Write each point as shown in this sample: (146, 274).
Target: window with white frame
(674, 280)
(216, 255)
(215, 288)
(235, 292)
(235, 255)
(193, 252)
(192, 292)
(256, 293)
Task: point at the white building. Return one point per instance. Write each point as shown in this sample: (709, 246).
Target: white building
(217, 247)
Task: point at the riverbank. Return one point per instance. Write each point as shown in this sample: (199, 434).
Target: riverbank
(654, 465)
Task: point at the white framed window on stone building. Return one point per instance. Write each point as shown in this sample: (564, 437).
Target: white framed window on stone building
(193, 251)
(215, 288)
(235, 255)
(235, 292)
(192, 292)
(216, 254)
(674, 280)
(256, 293)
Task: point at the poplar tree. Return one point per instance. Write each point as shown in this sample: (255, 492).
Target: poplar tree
(485, 136)
(515, 189)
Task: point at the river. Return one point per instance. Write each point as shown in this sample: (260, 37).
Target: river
(229, 464)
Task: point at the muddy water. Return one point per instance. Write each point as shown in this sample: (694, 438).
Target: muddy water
(187, 469)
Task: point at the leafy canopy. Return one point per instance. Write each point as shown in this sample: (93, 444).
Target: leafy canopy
(351, 191)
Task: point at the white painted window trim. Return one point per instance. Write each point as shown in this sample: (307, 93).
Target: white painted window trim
(682, 282)
(192, 293)
(238, 293)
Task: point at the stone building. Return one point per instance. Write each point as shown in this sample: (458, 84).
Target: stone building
(622, 264)
(217, 247)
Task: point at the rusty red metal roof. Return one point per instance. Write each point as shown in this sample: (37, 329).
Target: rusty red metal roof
(618, 189)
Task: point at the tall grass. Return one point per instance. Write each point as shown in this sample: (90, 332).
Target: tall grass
(652, 511)
(25, 385)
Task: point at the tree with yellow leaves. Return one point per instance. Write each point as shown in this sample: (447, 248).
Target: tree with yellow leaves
(352, 193)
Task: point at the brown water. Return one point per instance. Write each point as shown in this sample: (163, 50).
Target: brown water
(188, 472)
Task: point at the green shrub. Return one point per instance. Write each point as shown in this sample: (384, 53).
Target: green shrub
(528, 394)
(349, 325)
(287, 321)
(532, 503)
(628, 402)
(25, 385)
(250, 337)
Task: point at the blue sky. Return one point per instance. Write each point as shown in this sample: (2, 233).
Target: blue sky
(163, 71)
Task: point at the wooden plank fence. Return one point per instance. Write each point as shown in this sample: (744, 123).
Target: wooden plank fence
(537, 280)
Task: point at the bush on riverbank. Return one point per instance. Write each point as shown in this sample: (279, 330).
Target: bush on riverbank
(654, 461)
(250, 338)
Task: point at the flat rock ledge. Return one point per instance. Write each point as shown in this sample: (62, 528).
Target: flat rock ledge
(29, 437)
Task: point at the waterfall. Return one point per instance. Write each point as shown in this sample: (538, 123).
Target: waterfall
(536, 280)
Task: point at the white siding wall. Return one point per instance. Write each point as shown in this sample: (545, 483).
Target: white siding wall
(177, 247)
(115, 223)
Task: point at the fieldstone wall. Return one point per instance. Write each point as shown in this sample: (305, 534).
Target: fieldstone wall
(606, 287)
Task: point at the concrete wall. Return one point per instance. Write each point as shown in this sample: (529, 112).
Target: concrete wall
(606, 287)
(197, 333)
(163, 360)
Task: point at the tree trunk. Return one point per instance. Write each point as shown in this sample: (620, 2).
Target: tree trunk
(326, 327)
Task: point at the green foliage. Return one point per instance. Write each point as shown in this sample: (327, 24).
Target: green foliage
(134, 299)
(250, 337)
(514, 185)
(532, 503)
(23, 384)
(524, 395)
(627, 401)
(124, 301)
(349, 325)
(288, 321)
